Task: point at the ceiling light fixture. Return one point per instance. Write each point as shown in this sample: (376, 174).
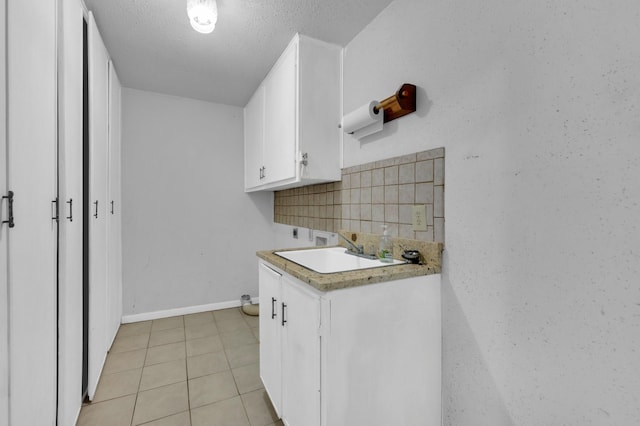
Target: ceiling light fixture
(203, 15)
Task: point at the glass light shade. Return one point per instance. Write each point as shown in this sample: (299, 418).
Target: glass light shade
(203, 15)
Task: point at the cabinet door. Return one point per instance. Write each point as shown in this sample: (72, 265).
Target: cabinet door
(280, 119)
(270, 332)
(114, 221)
(97, 203)
(253, 139)
(301, 354)
(28, 298)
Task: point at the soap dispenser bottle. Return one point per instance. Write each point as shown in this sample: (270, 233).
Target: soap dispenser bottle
(385, 254)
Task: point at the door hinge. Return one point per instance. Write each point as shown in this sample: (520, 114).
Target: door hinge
(9, 197)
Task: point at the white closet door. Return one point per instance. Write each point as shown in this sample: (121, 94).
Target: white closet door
(114, 221)
(70, 254)
(31, 166)
(4, 299)
(97, 203)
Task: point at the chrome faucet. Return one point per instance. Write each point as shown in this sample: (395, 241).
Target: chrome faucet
(353, 249)
(356, 250)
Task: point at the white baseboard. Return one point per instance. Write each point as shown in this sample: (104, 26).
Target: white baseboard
(146, 316)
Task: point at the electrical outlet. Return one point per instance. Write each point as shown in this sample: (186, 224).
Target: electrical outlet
(419, 218)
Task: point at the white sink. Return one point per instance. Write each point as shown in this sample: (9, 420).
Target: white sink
(332, 259)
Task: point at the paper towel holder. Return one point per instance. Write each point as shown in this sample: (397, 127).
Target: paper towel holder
(401, 103)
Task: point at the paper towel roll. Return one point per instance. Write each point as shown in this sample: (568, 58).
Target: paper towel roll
(363, 121)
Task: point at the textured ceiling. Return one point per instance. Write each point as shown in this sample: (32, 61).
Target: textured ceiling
(154, 47)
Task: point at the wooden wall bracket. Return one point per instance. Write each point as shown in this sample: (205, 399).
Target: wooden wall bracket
(401, 103)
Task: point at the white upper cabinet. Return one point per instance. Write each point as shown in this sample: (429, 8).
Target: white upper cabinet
(291, 122)
(253, 137)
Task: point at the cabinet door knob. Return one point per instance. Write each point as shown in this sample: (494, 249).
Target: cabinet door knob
(273, 307)
(96, 213)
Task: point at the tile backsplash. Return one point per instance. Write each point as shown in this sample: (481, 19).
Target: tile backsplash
(371, 195)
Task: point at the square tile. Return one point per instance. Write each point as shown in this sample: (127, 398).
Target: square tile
(231, 326)
(205, 364)
(425, 235)
(377, 195)
(355, 211)
(365, 179)
(355, 196)
(424, 171)
(259, 408)
(114, 412)
(391, 175)
(199, 331)
(377, 213)
(203, 346)
(118, 384)
(227, 314)
(253, 321)
(407, 193)
(212, 388)
(346, 181)
(346, 211)
(130, 343)
(232, 340)
(407, 173)
(365, 226)
(157, 375)
(391, 213)
(121, 361)
(355, 180)
(247, 378)
(243, 355)
(405, 213)
(134, 328)
(365, 195)
(424, 193)
(365, 212)
(223, 413)
(165, 353)
(164, 337)
(161, 402)
(391, 194)
(199, 318)
(406, 231)
(180, 419)
(167, 323)
(377, 177)
(345, 196)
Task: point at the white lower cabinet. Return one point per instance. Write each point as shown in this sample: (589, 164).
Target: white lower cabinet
(368, 355)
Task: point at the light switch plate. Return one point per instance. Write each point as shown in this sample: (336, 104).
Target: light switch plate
(419, 217)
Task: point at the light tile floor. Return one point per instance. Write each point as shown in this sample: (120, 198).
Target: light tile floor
(199, 369)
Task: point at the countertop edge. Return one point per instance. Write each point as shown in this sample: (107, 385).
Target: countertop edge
(340, 280)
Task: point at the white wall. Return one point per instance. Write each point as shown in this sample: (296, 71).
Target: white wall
(190, 233)
(536, 104)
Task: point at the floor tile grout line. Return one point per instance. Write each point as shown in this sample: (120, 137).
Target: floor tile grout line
(141, 373)
(188, 387)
